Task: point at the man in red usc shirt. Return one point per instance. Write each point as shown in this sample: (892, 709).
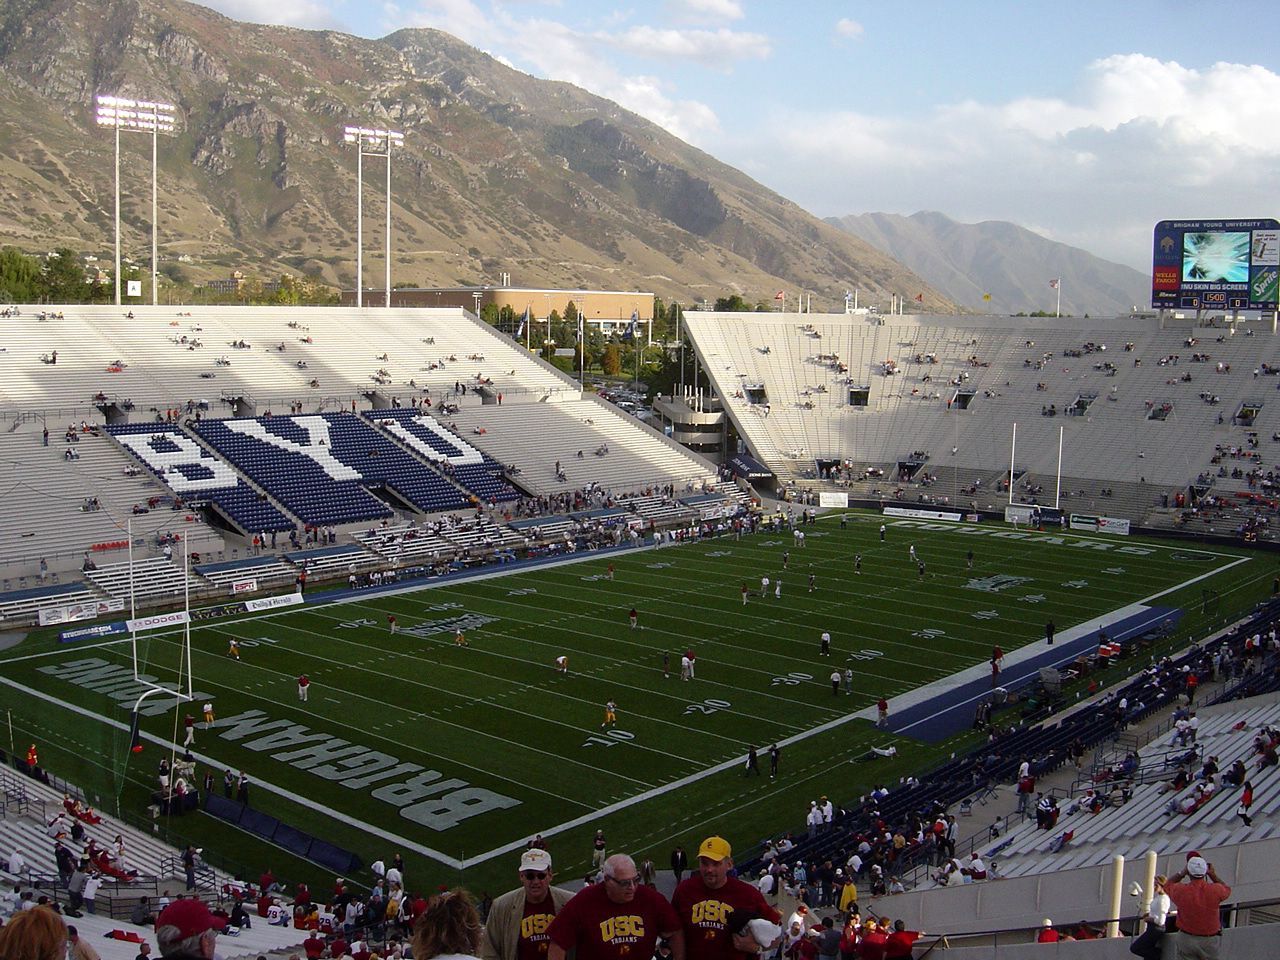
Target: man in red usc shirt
(901, 941)
(617, 919)
(518, 921)
(713, 908)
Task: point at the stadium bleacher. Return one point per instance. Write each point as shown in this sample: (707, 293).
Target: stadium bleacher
(803, 389)
(1136, 429)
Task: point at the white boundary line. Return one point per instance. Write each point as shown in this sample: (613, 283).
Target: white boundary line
(362, 825)
(1032, 650)
(642, 797)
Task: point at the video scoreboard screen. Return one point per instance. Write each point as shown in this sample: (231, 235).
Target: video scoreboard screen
(1216, 264)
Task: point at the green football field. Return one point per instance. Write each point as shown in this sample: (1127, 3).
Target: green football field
(458, 754)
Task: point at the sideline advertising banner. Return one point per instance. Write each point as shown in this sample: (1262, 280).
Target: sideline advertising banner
(1015, 513)
(171, 619)
(1112, 525)
(922, 514)
(270, 603)
(66, 613)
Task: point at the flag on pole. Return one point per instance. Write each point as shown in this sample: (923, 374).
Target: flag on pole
(986, 297)
(633, 327)
(523, 321)
(779, 295)
(919, 298)
(1055, 283)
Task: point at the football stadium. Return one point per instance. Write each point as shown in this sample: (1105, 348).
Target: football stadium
(964, 613)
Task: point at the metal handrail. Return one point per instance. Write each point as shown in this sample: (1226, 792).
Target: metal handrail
(1233, 908)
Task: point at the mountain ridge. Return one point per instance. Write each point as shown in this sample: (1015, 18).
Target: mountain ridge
(501, 171)
(966, 261)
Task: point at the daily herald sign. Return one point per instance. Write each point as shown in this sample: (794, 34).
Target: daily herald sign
(1216, 264)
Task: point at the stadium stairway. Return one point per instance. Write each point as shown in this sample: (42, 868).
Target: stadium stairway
(158, 864)
(1144, 823)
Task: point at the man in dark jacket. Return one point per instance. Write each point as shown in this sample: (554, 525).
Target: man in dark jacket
(679, 862)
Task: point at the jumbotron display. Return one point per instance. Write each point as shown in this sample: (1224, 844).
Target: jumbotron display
(1216, 264)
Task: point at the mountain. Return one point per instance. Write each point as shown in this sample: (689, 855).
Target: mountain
(500, 172)
(967, 260)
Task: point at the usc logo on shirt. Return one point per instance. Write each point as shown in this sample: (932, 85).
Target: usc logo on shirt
(711, 912)
(622, 928)
(535, 924)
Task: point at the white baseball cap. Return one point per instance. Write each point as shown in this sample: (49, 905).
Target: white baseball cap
(535, 859)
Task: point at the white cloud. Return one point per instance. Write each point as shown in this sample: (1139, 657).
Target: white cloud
(703, 11)
(1140, 140)
(849, 29)
(720, 48)
(462, 18)
(308, 14)
(555, 50)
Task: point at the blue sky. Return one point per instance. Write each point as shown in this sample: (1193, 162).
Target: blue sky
(1085, 121)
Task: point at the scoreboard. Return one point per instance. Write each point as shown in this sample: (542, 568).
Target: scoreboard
(1216, 265)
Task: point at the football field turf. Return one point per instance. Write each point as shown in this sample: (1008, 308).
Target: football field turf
(459, 753)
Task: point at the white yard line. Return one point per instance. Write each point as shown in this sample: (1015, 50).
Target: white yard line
(258, 784)
(674, 785)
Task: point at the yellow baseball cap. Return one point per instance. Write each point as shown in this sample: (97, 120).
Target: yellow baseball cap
(715, 848)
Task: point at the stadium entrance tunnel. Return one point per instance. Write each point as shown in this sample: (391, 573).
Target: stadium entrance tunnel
(1248, 413)
(909, 467)
(1081, 404)
(241, 406)
(115, 410)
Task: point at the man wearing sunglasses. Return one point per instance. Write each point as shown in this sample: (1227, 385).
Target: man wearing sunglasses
(519, 920)
(617, 919)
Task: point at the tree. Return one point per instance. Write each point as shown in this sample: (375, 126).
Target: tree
(733, 304)
(662, 328)
(300, 290)
(490, 314)
(62, 280)
(19, 276)
(571, 313)
(611, 361)
(675, 318)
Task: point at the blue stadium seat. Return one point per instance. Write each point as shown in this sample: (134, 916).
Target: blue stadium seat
(326, 467)
(197, 476)
(473, 469)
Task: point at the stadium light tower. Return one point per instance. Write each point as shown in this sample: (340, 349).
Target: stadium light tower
(141, 116)
(374, 143)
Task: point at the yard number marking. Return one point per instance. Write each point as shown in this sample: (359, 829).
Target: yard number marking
(610, 739)
(707, 706)
(790, 680)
